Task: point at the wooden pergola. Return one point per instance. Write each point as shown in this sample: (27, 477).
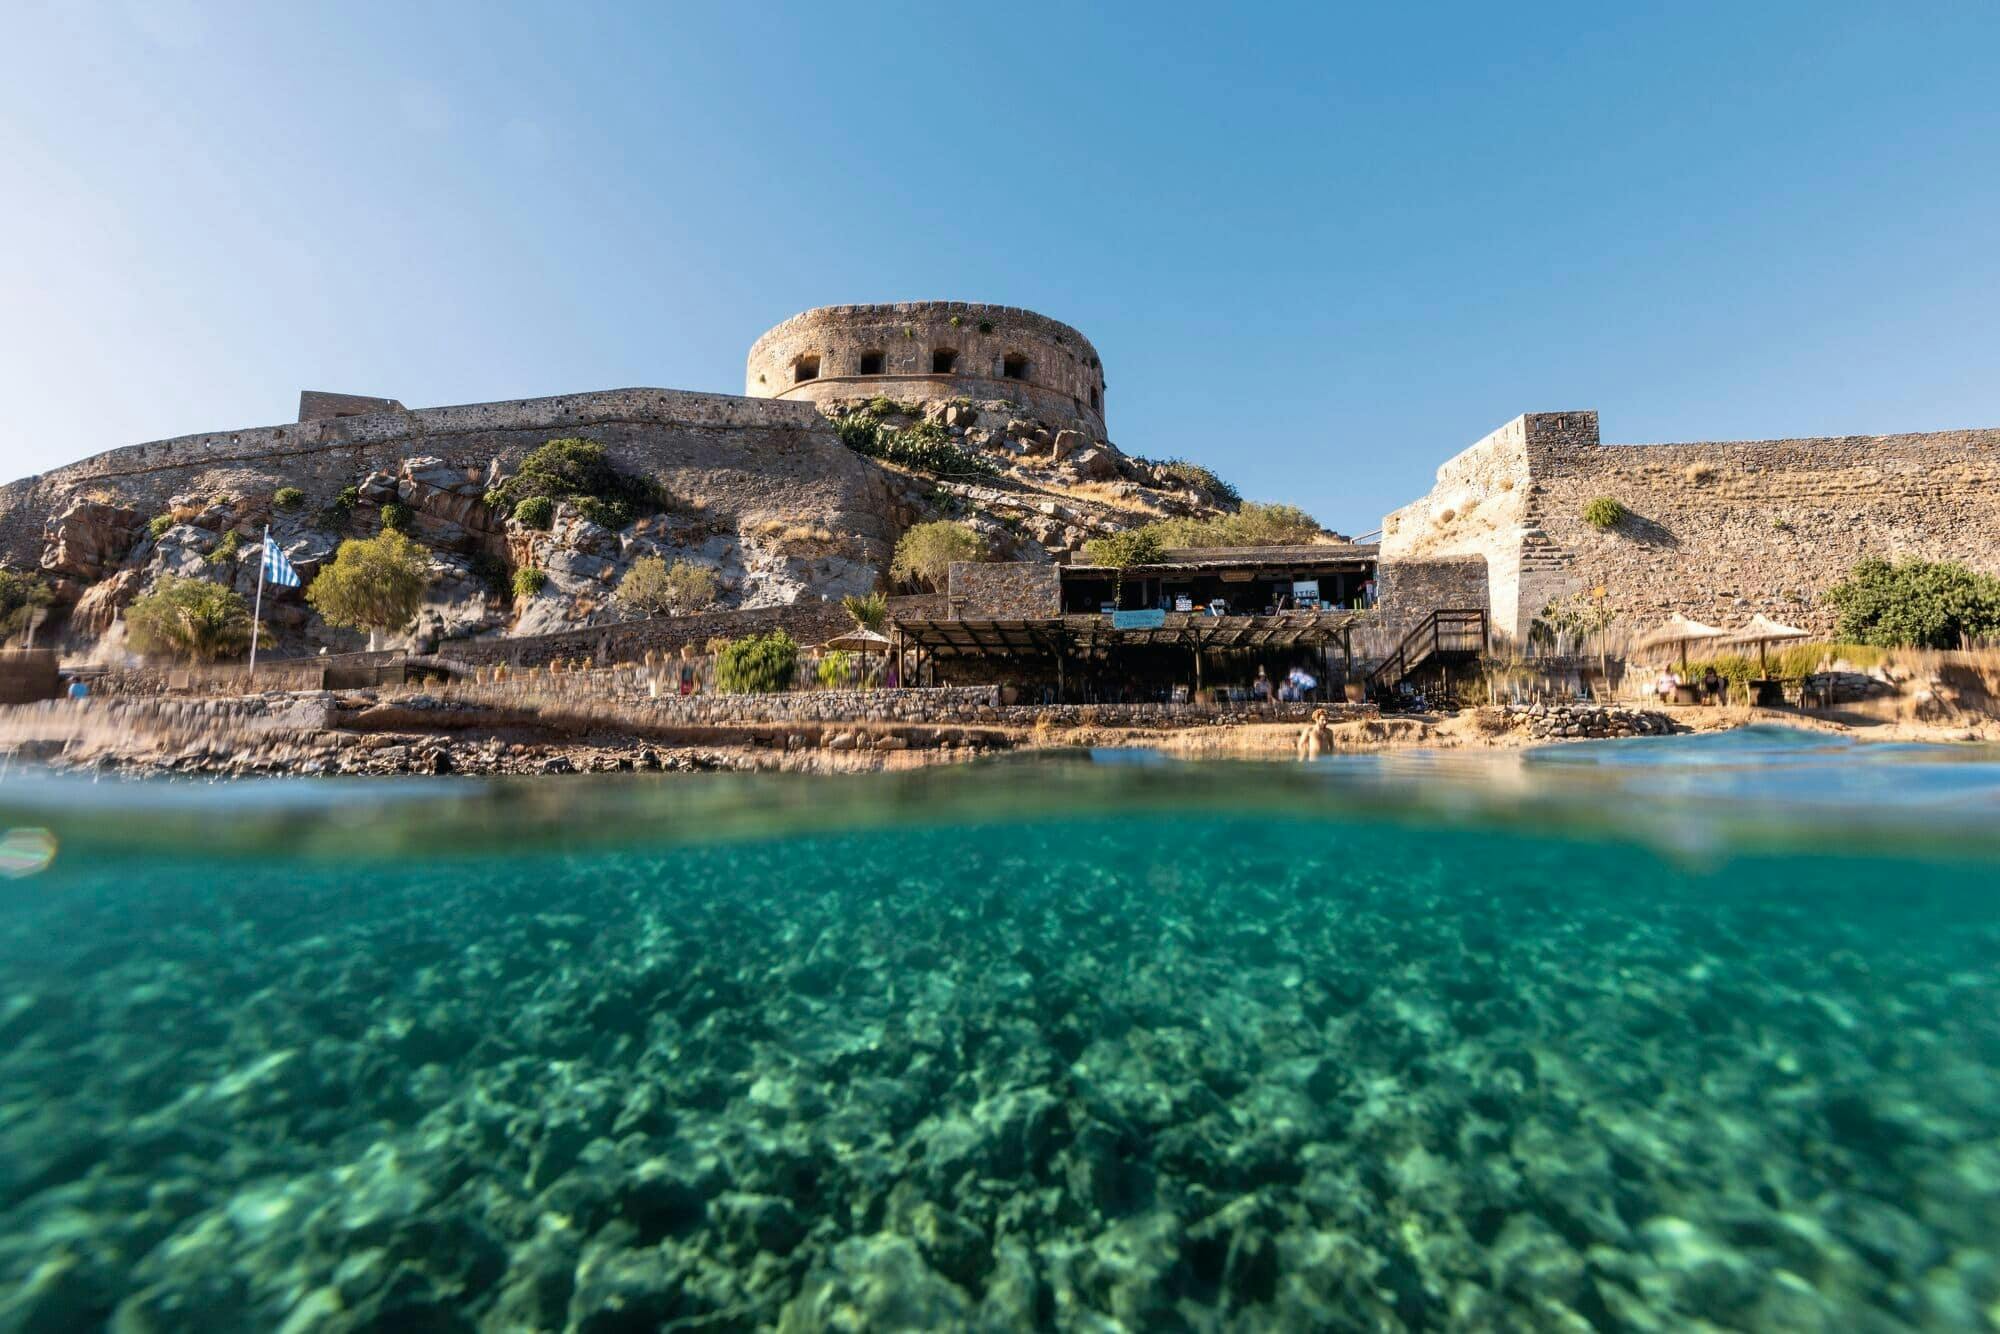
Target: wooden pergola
(1094, 637)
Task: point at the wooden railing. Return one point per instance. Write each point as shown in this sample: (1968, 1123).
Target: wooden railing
(1446, 632)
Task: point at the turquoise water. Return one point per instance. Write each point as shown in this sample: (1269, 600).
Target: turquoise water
(1632, 1036)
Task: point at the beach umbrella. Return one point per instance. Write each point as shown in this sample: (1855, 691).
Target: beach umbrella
(1764, 632)
(1678, 632)
(860, 640)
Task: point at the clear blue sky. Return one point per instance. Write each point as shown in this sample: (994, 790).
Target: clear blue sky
(1319, 250)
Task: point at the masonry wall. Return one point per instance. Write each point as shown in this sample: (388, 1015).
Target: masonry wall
(751, 458)
(1716, 530)
(1008, 590)
(1064, 380)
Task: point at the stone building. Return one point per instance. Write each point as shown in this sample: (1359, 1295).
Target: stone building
(933, 350)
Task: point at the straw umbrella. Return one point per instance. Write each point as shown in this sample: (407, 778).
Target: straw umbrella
(860, 640)
(1678, 631)
(1764, 632)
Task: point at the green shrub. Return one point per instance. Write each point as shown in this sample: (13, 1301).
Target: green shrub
(652, 587)
(925, 446)
(528, 581)
(869, 613)
(986, 326)
(20, 595)
(580, 472)
(1918, 603)
(397, 517)
(288, 497)
(189, 618)
(226, 549)
(373, 583)
(759, 664)
(1604, 512)
(1251, 524)
(835, 668)
(536, 512)
(924, 553)
(159, 525)
(1134, 546)
(612, 514)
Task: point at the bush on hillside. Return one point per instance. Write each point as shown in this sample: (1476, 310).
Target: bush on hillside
(924, 446)
(652, 587)
(581, 472)
(529, 581)
(1604, 512)
(288, 497)
(397, 517)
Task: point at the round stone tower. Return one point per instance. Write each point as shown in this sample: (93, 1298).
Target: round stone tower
(933, 350)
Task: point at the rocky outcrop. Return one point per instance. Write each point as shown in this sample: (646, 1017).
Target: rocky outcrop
(89, 538)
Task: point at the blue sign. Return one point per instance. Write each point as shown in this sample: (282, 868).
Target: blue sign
(1138, 620)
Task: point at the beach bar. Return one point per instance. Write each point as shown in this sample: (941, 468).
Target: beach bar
(1230, 624)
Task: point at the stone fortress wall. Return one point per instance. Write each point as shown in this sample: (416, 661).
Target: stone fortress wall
(1716, 530)
(764, 458)
(932, 350)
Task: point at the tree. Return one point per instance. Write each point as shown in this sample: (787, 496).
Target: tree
(189, 618)
(20, 595)
(1921, 604)
(373, 584)
(869, 613)
(651, 587)
(1134, 546)
(925, 553)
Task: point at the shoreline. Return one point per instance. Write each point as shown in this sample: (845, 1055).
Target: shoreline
(365, 733)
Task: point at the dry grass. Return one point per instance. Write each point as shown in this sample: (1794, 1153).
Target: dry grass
(1102, 493)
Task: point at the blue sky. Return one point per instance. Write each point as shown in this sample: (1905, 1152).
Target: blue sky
(1320, 249)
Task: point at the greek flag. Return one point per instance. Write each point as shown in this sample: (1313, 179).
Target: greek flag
(276, 568)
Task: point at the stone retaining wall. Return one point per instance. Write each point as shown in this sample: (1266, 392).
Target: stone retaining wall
(1579, 721)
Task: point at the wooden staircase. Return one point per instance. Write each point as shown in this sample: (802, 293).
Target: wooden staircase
(1446, 637)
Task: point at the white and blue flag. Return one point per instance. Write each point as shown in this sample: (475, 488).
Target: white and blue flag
(276, 568)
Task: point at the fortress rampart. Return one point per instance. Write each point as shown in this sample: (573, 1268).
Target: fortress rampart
(932, 350)
(785, 448)
(1715, 529)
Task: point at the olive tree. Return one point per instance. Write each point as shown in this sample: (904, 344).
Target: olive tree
(924, 554)
(374, 584)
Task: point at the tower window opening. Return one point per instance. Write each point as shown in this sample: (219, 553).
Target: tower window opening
(1014, 366)
(805, 368)
(871, 363)
(943, 361)
(1096, 401)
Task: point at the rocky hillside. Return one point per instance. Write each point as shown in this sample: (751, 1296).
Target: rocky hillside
(780, 502)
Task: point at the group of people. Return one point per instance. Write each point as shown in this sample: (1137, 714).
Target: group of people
(1298, 684)
(1668, 685)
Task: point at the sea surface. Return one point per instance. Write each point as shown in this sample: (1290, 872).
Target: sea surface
(1687, 1034)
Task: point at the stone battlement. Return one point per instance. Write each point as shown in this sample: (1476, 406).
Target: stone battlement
(1714, 529)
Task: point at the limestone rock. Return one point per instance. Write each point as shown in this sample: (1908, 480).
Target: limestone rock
(88, 538)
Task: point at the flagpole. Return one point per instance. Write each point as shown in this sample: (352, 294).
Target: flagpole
(257, 616)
